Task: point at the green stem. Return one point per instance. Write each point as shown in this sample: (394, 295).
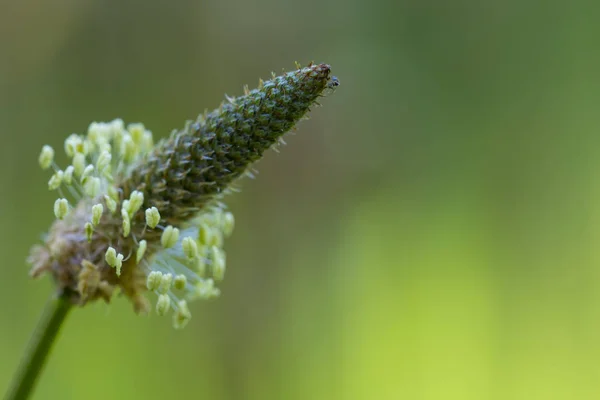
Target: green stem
(38, 349)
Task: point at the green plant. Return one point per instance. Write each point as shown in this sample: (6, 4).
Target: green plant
(149, 218)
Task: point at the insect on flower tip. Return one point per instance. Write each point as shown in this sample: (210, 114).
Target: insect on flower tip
(46, 157)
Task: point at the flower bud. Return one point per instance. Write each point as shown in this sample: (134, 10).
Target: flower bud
(141, 251)
(61, 208)
(163, 304)
(180, 282)
(46, 157)
(97, 211)
(152, 217)
(190, 248)
(56, 180)
(169, 237)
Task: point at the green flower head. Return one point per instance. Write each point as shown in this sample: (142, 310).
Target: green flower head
(144, 217)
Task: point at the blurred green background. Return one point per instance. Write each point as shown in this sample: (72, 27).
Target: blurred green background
(431, 233)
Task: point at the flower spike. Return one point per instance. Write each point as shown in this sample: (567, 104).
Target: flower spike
(148, 218)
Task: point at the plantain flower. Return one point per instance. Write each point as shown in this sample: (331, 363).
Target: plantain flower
(148, 218)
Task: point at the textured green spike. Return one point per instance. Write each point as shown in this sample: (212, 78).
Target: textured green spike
(178, 183)
(198, 163)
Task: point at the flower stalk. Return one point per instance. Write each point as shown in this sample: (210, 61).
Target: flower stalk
(39, 348)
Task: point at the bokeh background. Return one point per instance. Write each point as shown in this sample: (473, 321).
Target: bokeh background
(433, 232)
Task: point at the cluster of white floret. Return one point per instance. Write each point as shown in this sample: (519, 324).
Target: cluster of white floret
(190, 259)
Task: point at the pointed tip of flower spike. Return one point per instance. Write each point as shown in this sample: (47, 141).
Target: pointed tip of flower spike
(46, 157)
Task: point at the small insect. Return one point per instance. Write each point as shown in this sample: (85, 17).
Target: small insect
(333, 82)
